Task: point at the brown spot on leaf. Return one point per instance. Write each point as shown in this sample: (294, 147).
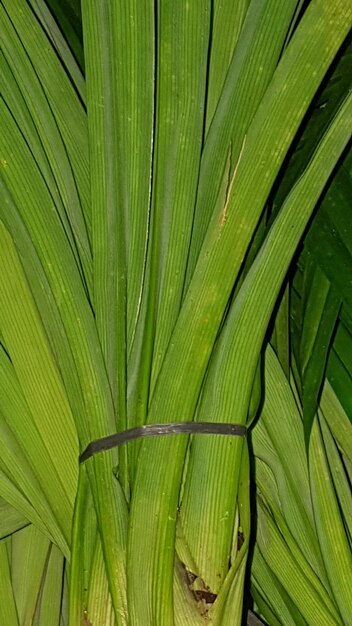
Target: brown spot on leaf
(202, 595)
(240, 539)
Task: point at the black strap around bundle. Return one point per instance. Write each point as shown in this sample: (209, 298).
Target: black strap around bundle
(159, 430)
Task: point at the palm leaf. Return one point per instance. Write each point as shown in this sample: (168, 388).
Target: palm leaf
(202, 311)
(49, 606)
(60, 93)
(47, 406)
(11, 519)
(282, 506)
(8, 610)
(63, 25)
(68, 15)
(29, 549)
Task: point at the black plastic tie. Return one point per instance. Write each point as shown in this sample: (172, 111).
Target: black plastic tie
(160, 430)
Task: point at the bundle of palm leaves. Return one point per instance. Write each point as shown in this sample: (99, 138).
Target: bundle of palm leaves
(175, 247)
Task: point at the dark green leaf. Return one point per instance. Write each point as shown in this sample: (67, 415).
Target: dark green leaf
(320, 309)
